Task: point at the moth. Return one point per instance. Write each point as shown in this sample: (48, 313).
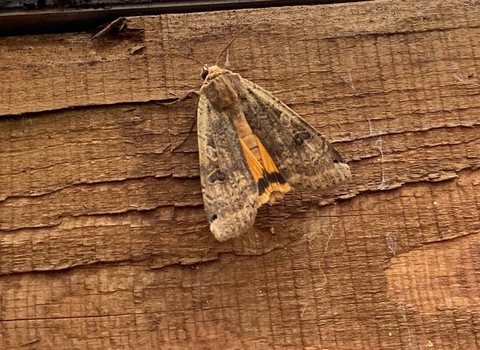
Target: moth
(252, 150)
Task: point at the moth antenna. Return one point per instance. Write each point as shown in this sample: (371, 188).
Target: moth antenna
(230, 43)
(227, 62)
(189, 58)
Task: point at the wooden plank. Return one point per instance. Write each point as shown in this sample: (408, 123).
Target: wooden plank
(47, 17)
(103, 240)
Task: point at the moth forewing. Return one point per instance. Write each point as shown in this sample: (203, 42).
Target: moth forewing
(301, 153)
(230, 194)
(252, 147)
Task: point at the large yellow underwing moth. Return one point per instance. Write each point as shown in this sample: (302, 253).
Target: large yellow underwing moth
(252, 148)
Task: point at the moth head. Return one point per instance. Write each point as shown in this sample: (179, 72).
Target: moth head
(204, 73)
(211, 72)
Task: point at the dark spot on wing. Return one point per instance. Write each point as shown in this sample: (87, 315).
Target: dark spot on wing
(217, 175)
(212, 218)
(300, 137)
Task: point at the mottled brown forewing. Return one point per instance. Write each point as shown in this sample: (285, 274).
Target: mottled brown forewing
(301, 153)
(230, 194)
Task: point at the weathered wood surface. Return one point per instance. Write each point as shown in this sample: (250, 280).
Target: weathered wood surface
(103, 241)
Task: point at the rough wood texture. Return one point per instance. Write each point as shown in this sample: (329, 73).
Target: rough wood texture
(103, 240)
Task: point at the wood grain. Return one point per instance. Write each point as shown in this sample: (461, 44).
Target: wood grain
(103, 239)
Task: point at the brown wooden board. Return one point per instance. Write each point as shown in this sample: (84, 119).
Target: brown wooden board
(103, 239)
